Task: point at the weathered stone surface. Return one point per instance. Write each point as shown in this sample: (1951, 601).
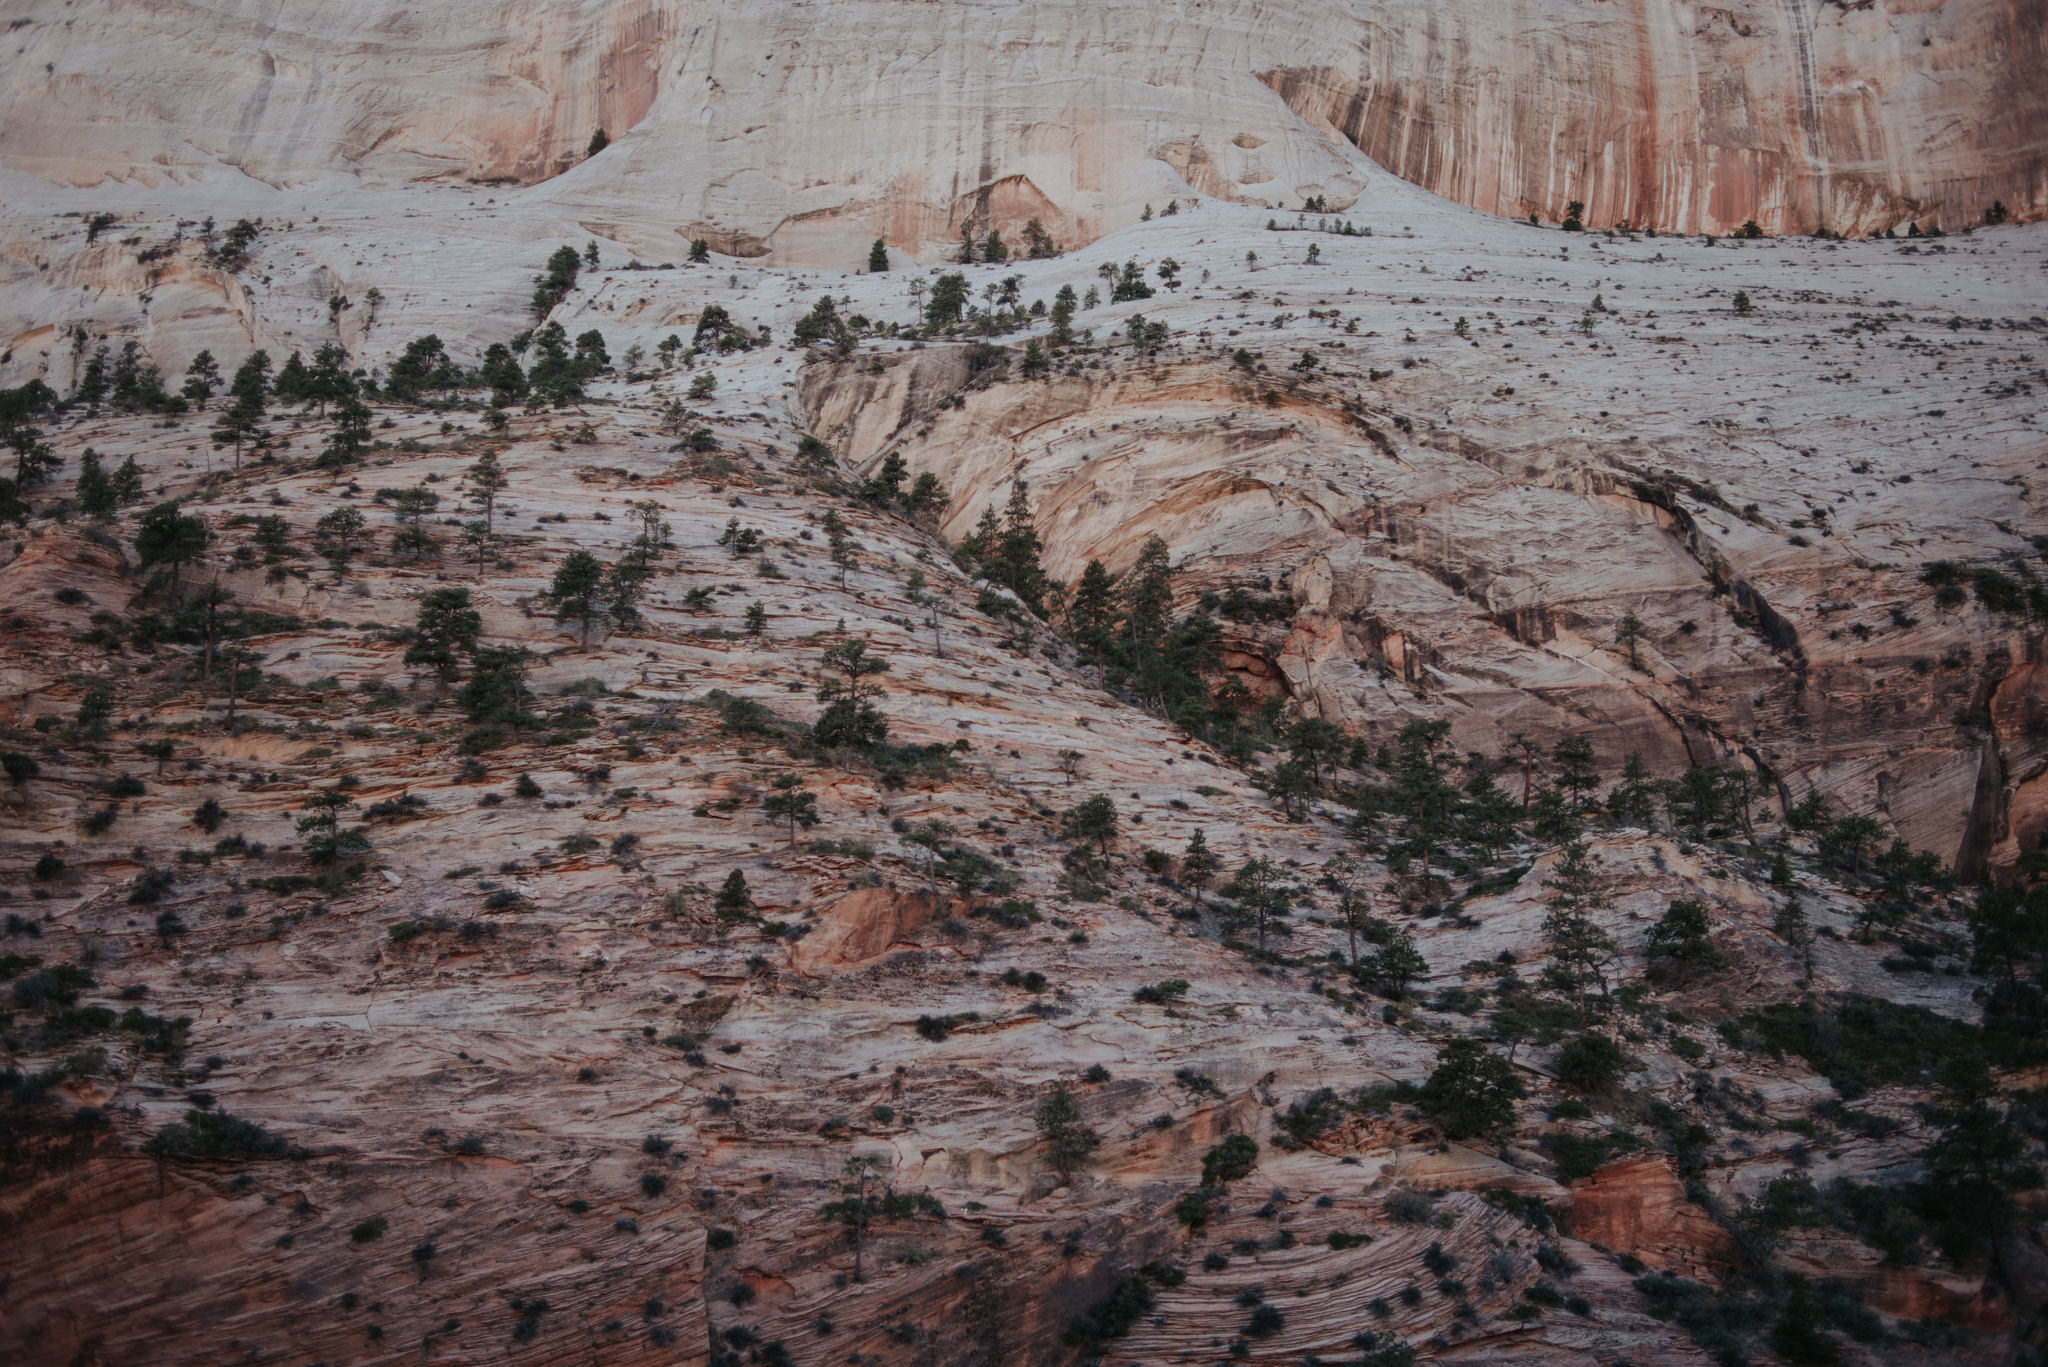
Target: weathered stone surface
(1637, 1206)
(800, 131)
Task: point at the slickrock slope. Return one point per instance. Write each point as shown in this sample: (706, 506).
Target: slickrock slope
(804, 130)
(534, 1088)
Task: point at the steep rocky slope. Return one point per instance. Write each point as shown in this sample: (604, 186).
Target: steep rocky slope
(529, 1094)
(804, 130)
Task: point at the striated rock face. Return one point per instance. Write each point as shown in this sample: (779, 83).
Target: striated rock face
(804, 130)
(1638, 1206)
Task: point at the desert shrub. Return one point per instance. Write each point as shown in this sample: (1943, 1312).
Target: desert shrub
(213, 1134)
(1230, 1161)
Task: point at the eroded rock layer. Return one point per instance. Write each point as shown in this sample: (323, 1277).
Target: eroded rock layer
(803, 130)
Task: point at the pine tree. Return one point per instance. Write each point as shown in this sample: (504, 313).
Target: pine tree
(575, 593)
(202, 377)
(35, 461)
(850, 717)
(1062, 316)
(1398, 963)
(735, 899)
(1632, 800)
(496, 692)
(1580, 951)
(166, 536)
(126, 482)
(447, 628)
(1684, 936)
(1091, 612)
(1472, 1091)
(1629, 636)
(839, 543)
(790, 803)
(1260, 894)
(293, 380)
(878, 256)
(328, 380)
(1423, 796)
(95, 490)
(1343, 878)
(1572, 757)
(1068, 1141)
(338, 533)
(1197, 865)
(484, 481)
(1147, 594)
(1014, 561)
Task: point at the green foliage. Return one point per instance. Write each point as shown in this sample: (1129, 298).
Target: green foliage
(1471, 1092)
(1093, 821)
(213, 1134)
(1858, 1042)
(1230, 1161)
(1593, 1062)
(447, 628)
(1684, 936)
(735, 899)
(1717, 1323)
(496, 692)
(1068, 1140)
(1113, 1316)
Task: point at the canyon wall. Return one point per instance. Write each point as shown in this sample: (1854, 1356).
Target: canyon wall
(802, 131)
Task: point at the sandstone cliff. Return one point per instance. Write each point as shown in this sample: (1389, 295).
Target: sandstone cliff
(801, 131)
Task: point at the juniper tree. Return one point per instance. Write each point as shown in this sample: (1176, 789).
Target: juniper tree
(735, 899)
(95, 711)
